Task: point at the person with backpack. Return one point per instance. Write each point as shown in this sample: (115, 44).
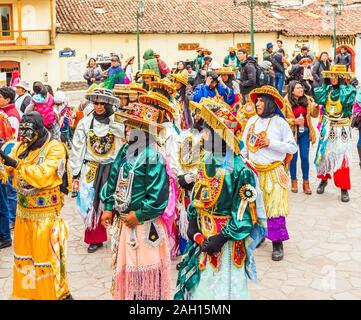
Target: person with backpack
(163, 68)
(151, 62)
(278, 63)
(248, 73)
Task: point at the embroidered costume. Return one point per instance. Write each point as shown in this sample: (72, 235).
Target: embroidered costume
(97, 140)
(271, 161)
(226, 217)
(334, 150)
(139, 183)
(41, 177)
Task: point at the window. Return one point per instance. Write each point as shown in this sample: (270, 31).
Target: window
(6, 26)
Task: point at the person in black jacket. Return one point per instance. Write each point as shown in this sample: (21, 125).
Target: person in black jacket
(304, 54)
(248, 73)
(302, 72)
(344, 58)
(322, 64)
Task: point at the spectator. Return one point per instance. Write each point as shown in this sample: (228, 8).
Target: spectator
(49, 89)
(162, 65)
(214, 87)
(115, 73)
(191, 73)
(248, 73)
(304, 54)
(278, 63)
(15, 78)
(198, 61)
(322, 64)
(181, 69)
(129, 70)
(232, 60)
(268, 52)
(302, 72)
(43, 102)
(268, 74)
(297, 104)
(23, 97)
(202, 72)
(93, 73)
(344, 58)
(8, 208)
(7, 99)
(151, 63)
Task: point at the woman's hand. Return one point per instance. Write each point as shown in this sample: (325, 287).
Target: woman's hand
(106, 219)
(299, 121)
(131, 220)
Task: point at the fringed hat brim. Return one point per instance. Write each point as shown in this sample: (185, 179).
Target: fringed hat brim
(141, 124)
(180, 79)
(146, 99)
(335, 74)
(221, 129)
(271, 91)
(92, 97)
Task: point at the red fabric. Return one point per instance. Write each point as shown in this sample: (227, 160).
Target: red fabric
(341, 178)
(297, 111)
(99, 235)
(11, 111)
(164, 70)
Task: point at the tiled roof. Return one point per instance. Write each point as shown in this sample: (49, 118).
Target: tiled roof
(200, 16)
(161, 16)
(312, 20)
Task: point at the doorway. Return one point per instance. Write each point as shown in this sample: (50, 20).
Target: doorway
(6, 69)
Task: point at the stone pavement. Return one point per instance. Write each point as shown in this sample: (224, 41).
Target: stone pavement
(322, 258)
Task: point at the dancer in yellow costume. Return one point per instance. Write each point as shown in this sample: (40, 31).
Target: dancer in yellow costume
(39, 166)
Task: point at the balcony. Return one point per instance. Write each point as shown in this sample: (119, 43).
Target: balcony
(26, 40)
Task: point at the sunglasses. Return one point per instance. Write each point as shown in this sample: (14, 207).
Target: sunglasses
(99, 104)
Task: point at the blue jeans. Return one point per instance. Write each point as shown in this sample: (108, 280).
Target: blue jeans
(303, 140)
(4, 213)
(12, 199)
(280, 81)
(359, 138)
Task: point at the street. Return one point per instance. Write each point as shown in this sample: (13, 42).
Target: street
(322, 258)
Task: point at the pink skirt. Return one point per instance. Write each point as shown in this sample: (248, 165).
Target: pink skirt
(140, 261)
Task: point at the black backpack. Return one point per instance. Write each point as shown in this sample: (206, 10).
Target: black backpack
(261, 76)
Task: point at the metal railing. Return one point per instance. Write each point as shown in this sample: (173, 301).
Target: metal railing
(25, 38)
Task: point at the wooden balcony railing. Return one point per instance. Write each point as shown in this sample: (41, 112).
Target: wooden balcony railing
(26, 40)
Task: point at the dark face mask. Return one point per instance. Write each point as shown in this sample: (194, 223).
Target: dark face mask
(232, 54)
(28, 132)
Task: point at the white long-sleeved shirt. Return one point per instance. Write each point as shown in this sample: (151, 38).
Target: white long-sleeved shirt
(80, 150)
(280, 136)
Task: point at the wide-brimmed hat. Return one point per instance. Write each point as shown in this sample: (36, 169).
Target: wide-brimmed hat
(165, 84)
(137, 87)
(205, 51)
(225, 71)
(23, 84)
(232, 49)
(143, 117)
(269, 90)
(337, 71)
(180, 77)
(219, 117)
(148, 73)
(102, 95)
(122, 90)
(306, 61)
(157, 99)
